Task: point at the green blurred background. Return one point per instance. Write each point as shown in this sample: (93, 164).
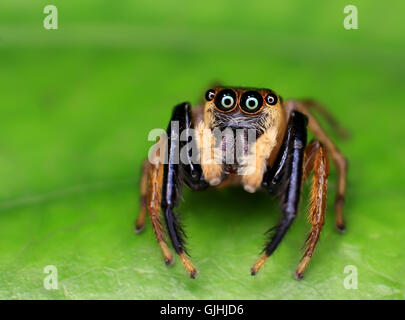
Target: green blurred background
(77, 105)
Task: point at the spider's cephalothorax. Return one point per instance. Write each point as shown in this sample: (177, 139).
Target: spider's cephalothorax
(276, 159)
(242, 110)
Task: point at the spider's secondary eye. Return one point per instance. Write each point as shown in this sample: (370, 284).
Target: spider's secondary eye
(209, 95)
(251, 102)
(225, 100)
(271, 99)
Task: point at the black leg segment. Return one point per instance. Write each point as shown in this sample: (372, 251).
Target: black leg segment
(286, 176)
(177, 172)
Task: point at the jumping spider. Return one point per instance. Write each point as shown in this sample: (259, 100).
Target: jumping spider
(281, 162)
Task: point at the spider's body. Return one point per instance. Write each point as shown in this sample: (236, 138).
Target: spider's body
(262, 144)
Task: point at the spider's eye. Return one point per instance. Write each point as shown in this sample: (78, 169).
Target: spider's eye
(251, 102)
(225, 100)
(271, 99)
(209, 95)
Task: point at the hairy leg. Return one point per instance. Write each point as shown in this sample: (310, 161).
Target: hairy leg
(290, 170)
(338, 159)
(141, 220)
(320, 167)
(175, 175)
(322, 110)
(309, 158)
(151, 184)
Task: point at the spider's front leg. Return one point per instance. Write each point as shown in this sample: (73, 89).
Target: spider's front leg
(286, 176)
(161, 184)
(177, 171)
(337, 157)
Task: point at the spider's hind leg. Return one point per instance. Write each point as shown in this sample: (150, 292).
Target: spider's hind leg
(316, 160)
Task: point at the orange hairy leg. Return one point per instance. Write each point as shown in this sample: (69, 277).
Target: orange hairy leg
(151, 185)
(141, 220)
(318, 162)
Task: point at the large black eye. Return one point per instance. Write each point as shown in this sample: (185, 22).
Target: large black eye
(271, 99)
(225, 100)
(251, 101)
(209, 95)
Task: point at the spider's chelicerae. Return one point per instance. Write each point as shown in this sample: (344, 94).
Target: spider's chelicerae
(278, 160)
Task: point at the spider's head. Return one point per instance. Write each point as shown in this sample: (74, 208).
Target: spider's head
(240, 108)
